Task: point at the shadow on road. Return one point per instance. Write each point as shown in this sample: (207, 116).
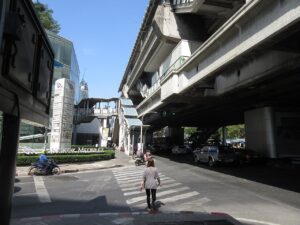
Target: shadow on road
(269, 173)
(29, 206)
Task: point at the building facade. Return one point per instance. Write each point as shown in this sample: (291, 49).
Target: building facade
(65, 66)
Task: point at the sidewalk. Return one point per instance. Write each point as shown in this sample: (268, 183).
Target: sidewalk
(121, 159)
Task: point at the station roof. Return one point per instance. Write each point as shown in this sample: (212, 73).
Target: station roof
(126, 102)
(130, 112)
(133, 122)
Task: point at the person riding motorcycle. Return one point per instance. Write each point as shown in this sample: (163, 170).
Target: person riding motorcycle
(43, 160)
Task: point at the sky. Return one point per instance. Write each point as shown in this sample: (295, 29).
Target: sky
(103, 33)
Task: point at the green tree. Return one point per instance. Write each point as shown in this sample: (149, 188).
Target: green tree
(188, 131)
(236, 131)
(46, 18)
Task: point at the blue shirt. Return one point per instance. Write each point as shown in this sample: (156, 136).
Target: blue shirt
(43, 158)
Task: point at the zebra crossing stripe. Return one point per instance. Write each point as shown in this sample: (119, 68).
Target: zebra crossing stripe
(130, 181)
(133, 183)
(170, 199)
(179, 197)
(128, 187)
(163, 187)
(137, 179)
(142, 198)
(131, 177)
(128, 175)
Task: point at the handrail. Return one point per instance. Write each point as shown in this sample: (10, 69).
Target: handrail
(182, 2)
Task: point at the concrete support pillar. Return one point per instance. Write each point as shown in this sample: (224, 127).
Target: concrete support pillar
(74, 136)
(224, 135)
(147, 138)
(128, 146)
(100, 132)
(104, 123)
(260, 131)
(176, 135)
(8, 153)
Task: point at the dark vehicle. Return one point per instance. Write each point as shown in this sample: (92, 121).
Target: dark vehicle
(49, 168)
(246, 156)
(138, 161)
(153, 148)
(214, 155)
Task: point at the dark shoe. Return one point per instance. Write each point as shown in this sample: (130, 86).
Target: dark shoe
(153, 205)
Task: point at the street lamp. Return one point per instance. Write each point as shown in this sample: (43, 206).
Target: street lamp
(142, 118)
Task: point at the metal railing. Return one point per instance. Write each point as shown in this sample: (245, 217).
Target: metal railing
(174, 66)
(182, 2)
(153, 88)
(96, 113)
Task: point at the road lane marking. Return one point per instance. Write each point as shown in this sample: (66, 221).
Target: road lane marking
(129, 187)
(142, 198)
(170, 199)
(131, 177)
(163, 187)
(138, 182)
(16, 194)
(127, 174)
(179, 197)
(41, 190)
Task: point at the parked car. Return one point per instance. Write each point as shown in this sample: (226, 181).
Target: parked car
(181, 149)
(213, 155)
(246, 156)
(153, 148)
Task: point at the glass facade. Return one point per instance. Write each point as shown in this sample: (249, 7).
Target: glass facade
(84, 90)
(66, 65)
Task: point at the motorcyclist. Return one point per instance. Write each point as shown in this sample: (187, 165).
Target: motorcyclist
(43, 160)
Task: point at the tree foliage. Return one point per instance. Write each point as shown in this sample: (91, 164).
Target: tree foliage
(46, 18)
(236, 131)
(233, 132)
(189, 130)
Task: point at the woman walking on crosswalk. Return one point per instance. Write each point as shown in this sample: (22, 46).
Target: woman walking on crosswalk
(150, 182)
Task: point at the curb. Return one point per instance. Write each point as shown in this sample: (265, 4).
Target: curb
(90, 169)
(75, 170)
(109, 214)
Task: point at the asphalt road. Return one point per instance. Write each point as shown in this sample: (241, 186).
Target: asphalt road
(185, 187)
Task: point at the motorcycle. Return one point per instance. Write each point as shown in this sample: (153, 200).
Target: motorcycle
(139, 161)
(49, 168)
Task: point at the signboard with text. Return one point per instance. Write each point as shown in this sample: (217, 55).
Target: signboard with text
(62, 121)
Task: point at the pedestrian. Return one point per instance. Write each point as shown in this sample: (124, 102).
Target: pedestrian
(150, 182)
(147, 156)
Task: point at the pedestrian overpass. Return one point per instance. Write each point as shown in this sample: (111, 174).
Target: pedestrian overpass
(94, 120)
